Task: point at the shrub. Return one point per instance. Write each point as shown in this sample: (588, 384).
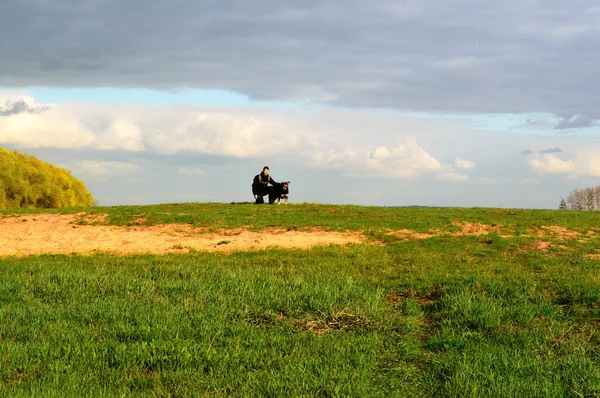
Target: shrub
(27, 182)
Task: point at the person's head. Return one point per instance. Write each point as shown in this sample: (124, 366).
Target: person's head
(265, 170)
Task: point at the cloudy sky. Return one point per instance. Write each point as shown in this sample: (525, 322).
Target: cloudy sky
(416, 102)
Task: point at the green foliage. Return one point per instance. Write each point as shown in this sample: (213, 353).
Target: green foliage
(27, 182)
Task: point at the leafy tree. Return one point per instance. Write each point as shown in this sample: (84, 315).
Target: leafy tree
(27, 182)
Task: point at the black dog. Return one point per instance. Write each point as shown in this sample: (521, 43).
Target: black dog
(281, 191)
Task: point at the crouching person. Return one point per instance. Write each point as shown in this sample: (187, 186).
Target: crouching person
(261, 187)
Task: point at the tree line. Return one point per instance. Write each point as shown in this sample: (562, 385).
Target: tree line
(27, 182)
(582, 199)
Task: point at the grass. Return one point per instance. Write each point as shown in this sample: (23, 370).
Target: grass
(218, 215)
(448, 316)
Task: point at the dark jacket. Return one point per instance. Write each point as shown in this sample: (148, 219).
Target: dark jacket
(260, 183)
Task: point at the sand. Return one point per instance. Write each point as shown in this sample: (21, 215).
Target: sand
(63, 234)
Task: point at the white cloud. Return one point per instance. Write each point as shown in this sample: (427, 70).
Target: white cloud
(452, 177)
(169, 130)
(251, 132)
(50, 129)
(549, 163)
(19, 104)
(531, 181)
(464, 164)
(186, 171)
(380, 152)
(219, 133)
(412, 156)
(102, 168)
(234, 132)
(121, 134)
(8, 94)
(405, 160)
(594, 166)
(567, 160)
(348, 143)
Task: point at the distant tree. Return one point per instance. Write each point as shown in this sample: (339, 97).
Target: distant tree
(583, 199)
(563, 204)
(576, 199)
(589, 198)
(26, 181)
(571, 201)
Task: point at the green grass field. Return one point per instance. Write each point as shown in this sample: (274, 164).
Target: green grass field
(450, 316)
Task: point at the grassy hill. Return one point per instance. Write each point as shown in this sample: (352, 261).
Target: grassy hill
(436, 302)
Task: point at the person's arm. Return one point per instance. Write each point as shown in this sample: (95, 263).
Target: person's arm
(272, 181)
(255, 186)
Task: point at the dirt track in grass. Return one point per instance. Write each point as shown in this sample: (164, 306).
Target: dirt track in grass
(81, 234)
(87, 234)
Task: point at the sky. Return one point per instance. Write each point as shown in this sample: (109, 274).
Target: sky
(385, 103)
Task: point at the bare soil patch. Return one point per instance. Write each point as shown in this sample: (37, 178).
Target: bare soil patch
(407, 234)
(81, 234)
(541, 246)
(476, 229)
(559, 233)
(547, 237)
(465, 229)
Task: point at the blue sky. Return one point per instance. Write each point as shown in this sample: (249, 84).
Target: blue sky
(111, 95)
(152, 97)
(465, 104)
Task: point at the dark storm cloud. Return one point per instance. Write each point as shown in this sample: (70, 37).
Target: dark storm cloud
(14, 107)
(549, 150)
(460, 56)
(552, 150)
(575, 122)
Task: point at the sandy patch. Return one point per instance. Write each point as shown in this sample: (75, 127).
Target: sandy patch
(475, 229)
(541, 246)
(478, 229)
(407, 234)
(65, 234)
(543, 233)
(556, 232)
(465, 229)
